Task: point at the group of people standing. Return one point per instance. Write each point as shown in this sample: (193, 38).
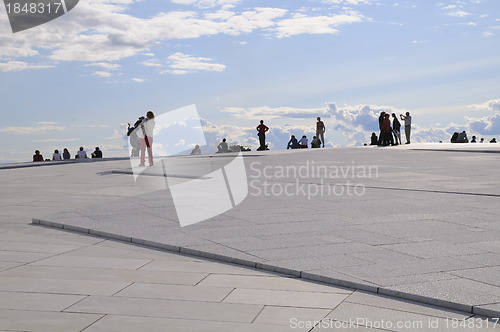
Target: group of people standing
(391, 134)
(141, 138)
(56, 156)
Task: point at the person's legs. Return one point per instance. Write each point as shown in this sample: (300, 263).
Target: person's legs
(262, 140)
(143, 150)
(150, 151)
(407, 132)
(322, 134)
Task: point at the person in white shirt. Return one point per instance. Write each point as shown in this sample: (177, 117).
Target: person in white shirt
(81, 154)
(145, 134)
(303, 142)
(196, 151)
(56, 156)
(407, 120)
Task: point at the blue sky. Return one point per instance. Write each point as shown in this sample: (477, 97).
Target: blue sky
(76, 80)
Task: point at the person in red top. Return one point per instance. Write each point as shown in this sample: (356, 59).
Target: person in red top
(37, 156)
(320, 130)
(262, 129)
(386, 130)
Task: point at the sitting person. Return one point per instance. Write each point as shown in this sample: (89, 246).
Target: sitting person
(473, 140)
(374, 139)
(222, 147)
(56, 155)
(315, 143)
(66, 154)
(80, 154)
(97, 153)
(303, 142)
(481, 140)
(37, 156)
(196, 151)
(494, 140)
(293, 143)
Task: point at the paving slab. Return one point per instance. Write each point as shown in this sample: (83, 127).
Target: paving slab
(415, 223)
(319, 221)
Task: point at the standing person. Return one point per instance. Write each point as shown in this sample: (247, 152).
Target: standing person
(134, 140)
(66, 154)
(386, 130)
(380, 124)
(145, 134)
(320, 130)
(262, 129)
(396, 127)
(37, 156)
(56, 156)
(407, 120)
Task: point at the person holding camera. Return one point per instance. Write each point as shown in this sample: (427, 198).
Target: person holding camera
(407, 120)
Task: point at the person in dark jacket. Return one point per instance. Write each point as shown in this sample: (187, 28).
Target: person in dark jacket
(293, 143)
(396, 129)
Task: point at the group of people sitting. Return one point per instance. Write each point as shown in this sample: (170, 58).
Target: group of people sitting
(56, 156)
(293, 143)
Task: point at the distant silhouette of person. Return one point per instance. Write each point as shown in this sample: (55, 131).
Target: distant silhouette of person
(380, 124)
(222, 147)
(133, 139)
(196, 151)
(481, 140)
(37, 156)
(56, 156)
(145, 134)
(320, 130)
(374, 139)
(386, 130)
(396, 129)
(66, 154)
(473, 140)
(262, 129)
(494, 140)
(303, 142)
(407, 120)
(315, 143)
(97, 153)
(81, 154)
(293, 143)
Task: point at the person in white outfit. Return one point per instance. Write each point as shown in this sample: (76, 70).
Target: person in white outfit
(145, 135)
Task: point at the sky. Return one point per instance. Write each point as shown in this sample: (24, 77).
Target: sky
(77, 80)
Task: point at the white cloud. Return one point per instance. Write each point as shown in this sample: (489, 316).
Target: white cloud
(102, 74)
(41, 128)
(20, 65)
(180, 63)
(139, 80)
(208, 3)
(103, 33)
(351, 2)
(267, 113)
(105, 65)
(457, 13)
(301, 24)
(57, 140)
